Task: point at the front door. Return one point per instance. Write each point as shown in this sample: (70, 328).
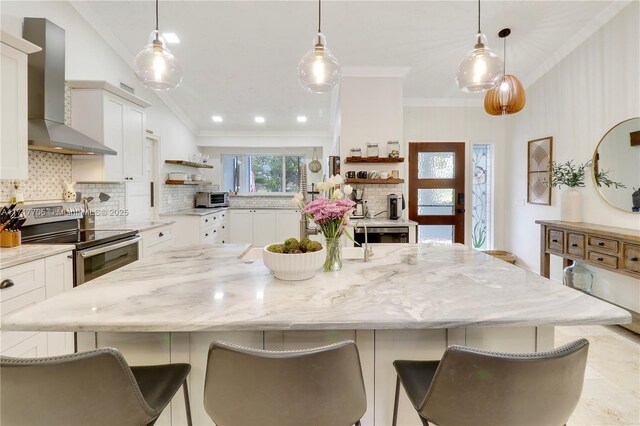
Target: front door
(436, 190)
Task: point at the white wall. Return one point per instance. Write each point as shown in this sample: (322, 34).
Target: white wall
(472, 126)
(595, 87)
(89, 57)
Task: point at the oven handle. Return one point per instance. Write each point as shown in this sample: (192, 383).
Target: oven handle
(109, 247)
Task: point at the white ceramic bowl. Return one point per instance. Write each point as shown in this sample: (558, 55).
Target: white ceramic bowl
(294, 267)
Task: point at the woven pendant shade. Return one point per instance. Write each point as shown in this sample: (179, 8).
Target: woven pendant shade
(507, 98)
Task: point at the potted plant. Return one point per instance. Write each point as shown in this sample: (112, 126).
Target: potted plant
(572, 176)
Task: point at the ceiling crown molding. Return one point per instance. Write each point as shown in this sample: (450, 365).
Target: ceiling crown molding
(94, 21)
(397, 72)
(580, 37)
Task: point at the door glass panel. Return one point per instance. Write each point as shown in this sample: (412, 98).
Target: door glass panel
(482, 198)
(440, 234)
(436, 165)
(432, 202)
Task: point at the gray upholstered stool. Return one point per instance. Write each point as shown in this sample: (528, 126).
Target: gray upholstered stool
(89, 388)
(321, 386)
(476, 387)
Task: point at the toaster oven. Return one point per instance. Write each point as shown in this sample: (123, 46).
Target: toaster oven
(212, 199)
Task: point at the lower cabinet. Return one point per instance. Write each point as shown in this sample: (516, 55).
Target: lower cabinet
(154, 240)
(210, 228)
(29, 283)
(261, 227)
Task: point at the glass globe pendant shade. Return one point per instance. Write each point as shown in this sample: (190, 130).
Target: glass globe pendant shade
(506, 98)
(156, 67)
(480, 70)
(318, 70)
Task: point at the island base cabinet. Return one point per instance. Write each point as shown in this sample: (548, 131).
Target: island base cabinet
(377, 348)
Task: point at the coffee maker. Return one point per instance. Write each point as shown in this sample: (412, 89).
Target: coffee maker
(361, 207)
(395, 206)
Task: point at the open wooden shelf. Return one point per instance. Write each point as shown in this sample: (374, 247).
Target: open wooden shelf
(375, 181)
(374, 160)
(186, 182)
(189, 164)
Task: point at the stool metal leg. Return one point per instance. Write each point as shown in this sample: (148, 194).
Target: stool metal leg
(395, 404)
(186, 403)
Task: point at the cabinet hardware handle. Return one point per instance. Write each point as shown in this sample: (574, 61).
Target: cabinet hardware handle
(6, 284)
(634, 259)
(161, 235)
(600, 259)
(601, 243)
(214, 218)
(214, 231)
(69, 256)
(222, 226)
(206, 235)
(206, 220)
(555, 240)
(574, 245)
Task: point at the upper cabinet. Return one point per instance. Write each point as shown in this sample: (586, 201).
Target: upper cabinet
(115, 118)
(13, 110)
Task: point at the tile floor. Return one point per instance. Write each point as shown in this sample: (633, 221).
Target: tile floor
(611, 393)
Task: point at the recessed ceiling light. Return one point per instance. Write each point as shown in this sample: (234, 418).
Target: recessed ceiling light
(57, 147)
(91, 153)
(301, 119)
(171, 38)
(259, 119)
(216, 119)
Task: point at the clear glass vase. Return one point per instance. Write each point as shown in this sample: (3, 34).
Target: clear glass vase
(333, 261)
(578, 277)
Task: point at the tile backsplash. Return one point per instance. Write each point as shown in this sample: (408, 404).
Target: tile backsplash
(108, 213)
(376, 196)
(257, 201)
(47, 173)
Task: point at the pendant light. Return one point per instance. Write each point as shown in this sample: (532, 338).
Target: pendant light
(155, 66)
(481, 69)
(318, 70)
(508, 97)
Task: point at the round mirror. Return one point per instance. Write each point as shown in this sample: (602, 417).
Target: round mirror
(616, 166)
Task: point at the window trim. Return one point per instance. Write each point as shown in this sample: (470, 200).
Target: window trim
(245, 165)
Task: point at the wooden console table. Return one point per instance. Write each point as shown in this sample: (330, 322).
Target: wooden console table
(615, 249)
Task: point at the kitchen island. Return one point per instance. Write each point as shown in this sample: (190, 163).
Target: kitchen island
(410, 301)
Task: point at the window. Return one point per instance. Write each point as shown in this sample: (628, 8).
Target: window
(262, 172)
(482, 201)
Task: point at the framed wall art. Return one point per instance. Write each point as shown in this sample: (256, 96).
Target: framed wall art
(539, 171)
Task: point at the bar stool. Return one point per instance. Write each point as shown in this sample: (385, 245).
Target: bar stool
(320, 386)
(88, 388)
(477, 387)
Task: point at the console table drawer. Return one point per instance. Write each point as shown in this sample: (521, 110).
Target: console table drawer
(603, 244)
(555, 240)
(603, 259)
(575, 244)
(631, 257)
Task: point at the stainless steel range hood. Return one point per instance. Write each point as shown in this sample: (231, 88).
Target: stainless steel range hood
(47, 131)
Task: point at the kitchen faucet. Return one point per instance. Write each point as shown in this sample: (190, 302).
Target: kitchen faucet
(368, 253)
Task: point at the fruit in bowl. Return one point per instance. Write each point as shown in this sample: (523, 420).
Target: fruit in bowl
(294, 260)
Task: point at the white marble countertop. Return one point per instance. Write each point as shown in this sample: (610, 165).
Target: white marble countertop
(194, 212)
(383, 221)
(405, 286)
(141, 225)
(12, 256)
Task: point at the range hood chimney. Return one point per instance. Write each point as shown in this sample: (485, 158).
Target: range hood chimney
(47, 131)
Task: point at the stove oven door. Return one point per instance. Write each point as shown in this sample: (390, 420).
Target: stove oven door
(96, 261)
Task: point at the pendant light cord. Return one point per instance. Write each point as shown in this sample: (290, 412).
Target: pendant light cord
(156, 15)
(319, 14)
(504, 55)
(478, 16)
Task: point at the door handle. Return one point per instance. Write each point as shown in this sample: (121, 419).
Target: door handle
(461, 198)
(460, 211)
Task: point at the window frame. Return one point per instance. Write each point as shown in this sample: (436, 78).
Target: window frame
(245, 170)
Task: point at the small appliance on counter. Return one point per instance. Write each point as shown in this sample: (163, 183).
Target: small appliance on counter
(361, 205)
(395, 206)
(212, 199)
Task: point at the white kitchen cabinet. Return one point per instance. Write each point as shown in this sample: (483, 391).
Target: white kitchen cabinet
(154, 240)
(13, 110)
(287, 224)
(210, 228)
(59, 278)
(253, 226)
(29, 283)
(115, 118)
